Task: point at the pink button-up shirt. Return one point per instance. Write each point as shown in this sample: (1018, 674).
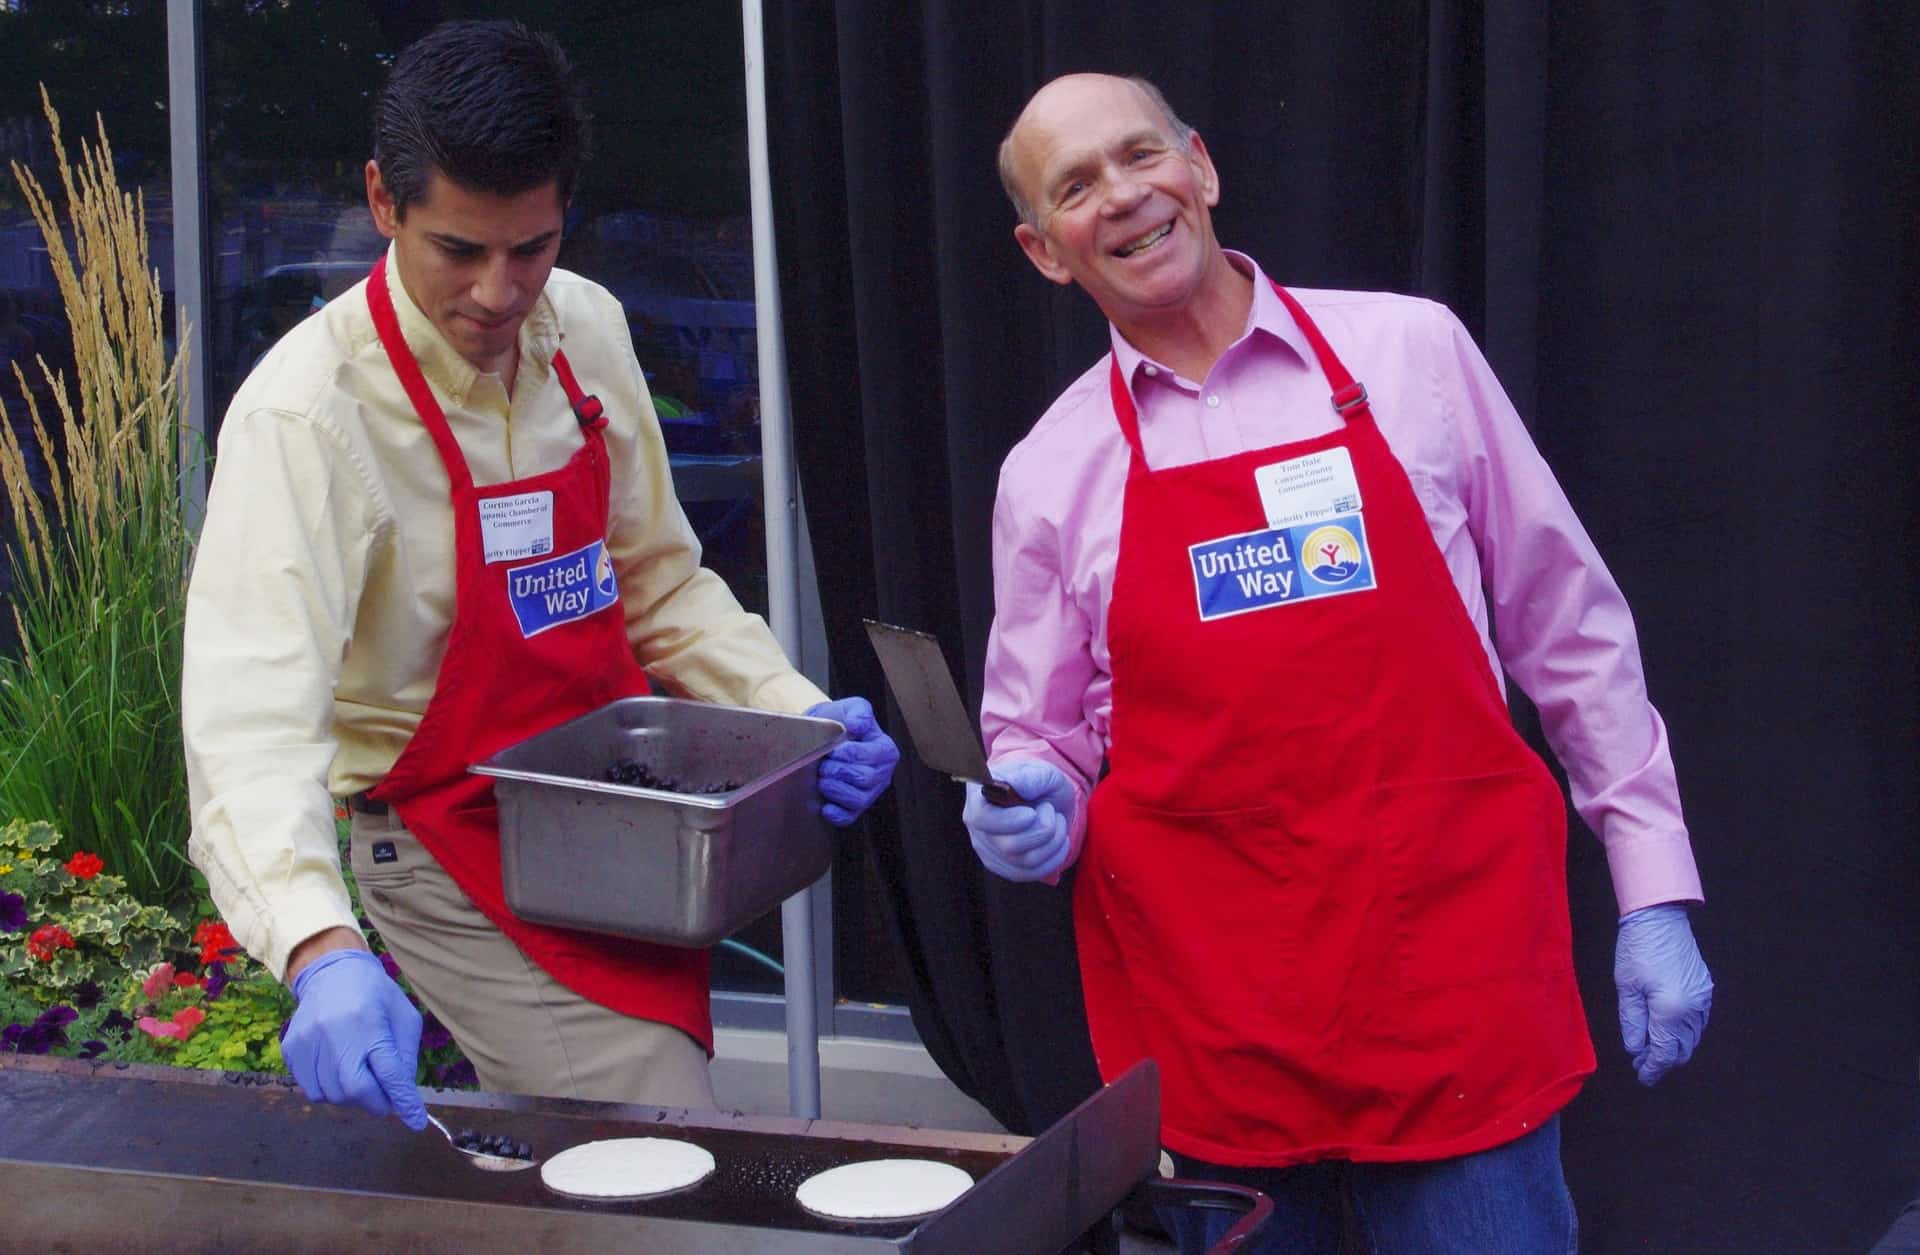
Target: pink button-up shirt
(1561, 628)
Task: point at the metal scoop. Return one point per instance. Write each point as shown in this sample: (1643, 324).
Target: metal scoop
(480, 1158)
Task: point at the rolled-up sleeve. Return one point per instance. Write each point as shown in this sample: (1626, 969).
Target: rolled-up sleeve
(277, 572)
(1042, 684)
(1565, 634)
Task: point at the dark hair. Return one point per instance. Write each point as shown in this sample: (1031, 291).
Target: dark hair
(490, 105)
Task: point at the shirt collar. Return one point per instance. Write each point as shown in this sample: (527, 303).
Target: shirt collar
(441, 363)
(1267, 318)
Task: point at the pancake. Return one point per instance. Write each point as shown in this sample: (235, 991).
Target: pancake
(882, 1189)
(626, 1167)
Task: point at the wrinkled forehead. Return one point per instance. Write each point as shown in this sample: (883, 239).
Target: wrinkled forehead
(1071, 121)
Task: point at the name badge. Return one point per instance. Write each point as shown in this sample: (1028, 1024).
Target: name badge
(516, 527)
(562, 590)
(1279, 566)
(1310, 489)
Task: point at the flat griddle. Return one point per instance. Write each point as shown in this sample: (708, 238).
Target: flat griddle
(103, 1157)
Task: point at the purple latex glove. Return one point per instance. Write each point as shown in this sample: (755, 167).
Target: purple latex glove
(860, 767)
(354, 1038)
(1023, 842)
(1665, 989)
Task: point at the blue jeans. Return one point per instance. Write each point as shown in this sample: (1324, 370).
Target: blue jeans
(1510, 1200)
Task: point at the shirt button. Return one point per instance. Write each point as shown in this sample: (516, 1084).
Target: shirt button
(1213, 401)
(1151, 369)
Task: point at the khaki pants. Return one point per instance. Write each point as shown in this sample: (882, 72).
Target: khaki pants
(524, 1031)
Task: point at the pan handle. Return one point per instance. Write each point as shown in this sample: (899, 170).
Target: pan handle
(1000, 793)
(1256, 1207)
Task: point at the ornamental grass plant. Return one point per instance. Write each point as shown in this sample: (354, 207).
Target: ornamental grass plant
(89, 719)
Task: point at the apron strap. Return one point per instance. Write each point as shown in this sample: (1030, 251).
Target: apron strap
(1124, 411)
(1349, 395)
(586, 408)
(407, 367)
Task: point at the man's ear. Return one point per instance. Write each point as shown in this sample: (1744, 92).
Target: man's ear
(1203, 165)
(1040, 253)
(386, 214)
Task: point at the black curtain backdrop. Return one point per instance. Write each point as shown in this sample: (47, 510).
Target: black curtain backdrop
(1687, 238)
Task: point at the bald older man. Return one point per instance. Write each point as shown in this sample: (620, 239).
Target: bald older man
(1258, 574)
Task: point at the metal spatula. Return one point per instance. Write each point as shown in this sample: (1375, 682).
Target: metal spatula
(943, 735)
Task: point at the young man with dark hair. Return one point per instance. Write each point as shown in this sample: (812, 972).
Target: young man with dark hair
(467, 421)
(1322, 879)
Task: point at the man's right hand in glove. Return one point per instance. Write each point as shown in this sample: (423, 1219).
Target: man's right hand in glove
(354, 1038)
(1023, 842)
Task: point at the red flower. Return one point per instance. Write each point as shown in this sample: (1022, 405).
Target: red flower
(46, 939)
(215, 940)
(186, 980)
(84, 865)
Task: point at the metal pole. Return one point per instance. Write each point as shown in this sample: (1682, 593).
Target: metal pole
(781, 497)
(185, 107)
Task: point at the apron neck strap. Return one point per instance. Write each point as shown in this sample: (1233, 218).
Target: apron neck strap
(407, 367)
(592, 415)
(1349, 395)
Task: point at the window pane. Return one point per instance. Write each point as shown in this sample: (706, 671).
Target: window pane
(92, 60)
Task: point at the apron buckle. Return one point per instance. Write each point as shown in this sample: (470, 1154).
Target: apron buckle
(590, 412)
(1350, 397)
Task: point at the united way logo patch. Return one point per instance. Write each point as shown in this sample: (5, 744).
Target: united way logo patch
(1279, 566)
(562, 590)
(1332, 555)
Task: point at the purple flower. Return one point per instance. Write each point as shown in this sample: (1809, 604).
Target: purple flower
(10, 1037)
(116, 1023)
(216, 980)
(13, 912)
(434, 1034)
(456, 1075)
(92, 1049)
(48, 1031)
(86, 995)
(392, 968)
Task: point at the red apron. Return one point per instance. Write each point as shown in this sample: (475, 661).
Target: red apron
(1324, 882)
(535, 641)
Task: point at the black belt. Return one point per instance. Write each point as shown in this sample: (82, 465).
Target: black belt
(367, 805)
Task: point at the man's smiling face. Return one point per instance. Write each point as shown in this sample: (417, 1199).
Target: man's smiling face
(472, 261)
(1121, 207)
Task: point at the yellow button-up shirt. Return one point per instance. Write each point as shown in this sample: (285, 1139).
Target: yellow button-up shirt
(323, 584)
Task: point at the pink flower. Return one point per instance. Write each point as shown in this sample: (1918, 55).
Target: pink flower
(159, 983)
(179, 1028)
